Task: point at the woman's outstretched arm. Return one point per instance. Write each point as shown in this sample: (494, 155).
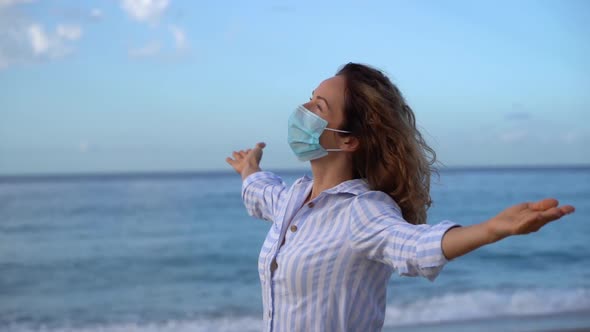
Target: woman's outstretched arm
(262, 192)
(519, 219)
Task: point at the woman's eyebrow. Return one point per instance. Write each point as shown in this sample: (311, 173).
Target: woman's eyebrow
(322, 98)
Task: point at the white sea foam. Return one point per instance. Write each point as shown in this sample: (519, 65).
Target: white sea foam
(224, 324)
(446, 308)
(487, 304)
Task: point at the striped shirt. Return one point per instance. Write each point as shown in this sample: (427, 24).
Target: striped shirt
(339, 252)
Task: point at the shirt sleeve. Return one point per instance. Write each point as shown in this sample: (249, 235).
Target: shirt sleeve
(379, 232)
(261, 193)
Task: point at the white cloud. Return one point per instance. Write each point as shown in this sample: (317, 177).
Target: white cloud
(52, 45)
(154, 48)
(23, 41)
(145, 10)
(150, 11)
(96, 13)
(71, 32)
(38, 39)
(150, 49)
(179, 37)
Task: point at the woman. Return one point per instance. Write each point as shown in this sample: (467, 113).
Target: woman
(336, 239)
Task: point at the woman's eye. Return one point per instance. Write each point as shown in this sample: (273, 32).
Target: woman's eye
(317, 106)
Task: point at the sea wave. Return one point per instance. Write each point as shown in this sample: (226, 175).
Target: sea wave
(452, 307)
(222, 324)
(482, 304)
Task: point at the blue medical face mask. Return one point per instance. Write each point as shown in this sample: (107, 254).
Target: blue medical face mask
(305, 129)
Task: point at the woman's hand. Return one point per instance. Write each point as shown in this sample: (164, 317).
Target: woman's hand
(248, 161)
(525, 218)
(519, 219)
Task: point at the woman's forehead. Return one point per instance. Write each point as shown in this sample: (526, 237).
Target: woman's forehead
(333, 90)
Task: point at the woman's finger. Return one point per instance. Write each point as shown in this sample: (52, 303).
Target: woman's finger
(544, 204)
(553, 213)
(230, 161)
(567, 209)
(544, 217)
(236, 154)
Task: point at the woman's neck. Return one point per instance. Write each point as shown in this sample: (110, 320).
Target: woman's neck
(328, 174)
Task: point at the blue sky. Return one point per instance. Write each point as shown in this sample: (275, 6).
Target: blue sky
(164, 85)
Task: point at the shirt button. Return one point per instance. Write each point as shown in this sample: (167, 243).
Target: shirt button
(310, 205)
(269, 314)
(293, 228)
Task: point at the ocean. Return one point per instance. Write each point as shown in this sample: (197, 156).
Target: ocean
(178, 252)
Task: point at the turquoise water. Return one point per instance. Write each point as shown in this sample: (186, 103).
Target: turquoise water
(177, 252)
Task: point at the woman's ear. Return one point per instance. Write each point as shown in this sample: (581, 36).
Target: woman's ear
(350, 144)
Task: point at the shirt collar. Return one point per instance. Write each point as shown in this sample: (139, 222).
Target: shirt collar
(354, 186)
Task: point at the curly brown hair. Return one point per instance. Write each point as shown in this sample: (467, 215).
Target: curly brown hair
(392, 156)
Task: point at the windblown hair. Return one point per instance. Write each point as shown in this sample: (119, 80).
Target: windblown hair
(392, 156)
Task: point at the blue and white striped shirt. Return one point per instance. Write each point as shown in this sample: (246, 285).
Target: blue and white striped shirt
(340, 250)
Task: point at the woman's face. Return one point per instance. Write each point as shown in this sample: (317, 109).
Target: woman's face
(327, 102)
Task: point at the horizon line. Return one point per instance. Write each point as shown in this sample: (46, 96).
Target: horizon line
(198, 173)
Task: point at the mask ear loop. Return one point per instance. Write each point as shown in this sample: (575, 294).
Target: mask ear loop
(338, 131)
